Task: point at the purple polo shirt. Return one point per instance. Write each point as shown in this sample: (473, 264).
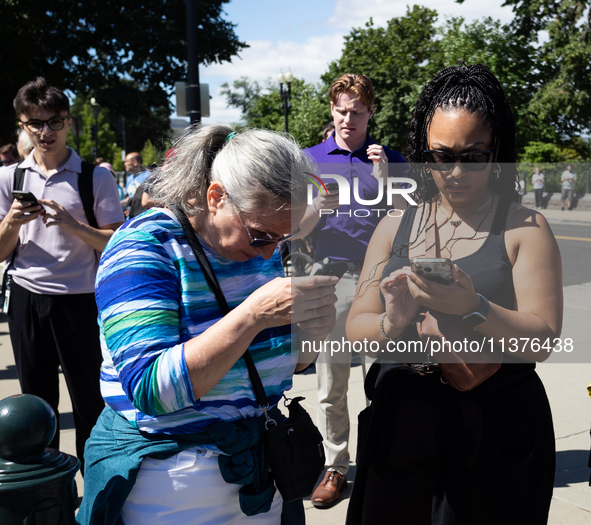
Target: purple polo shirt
(345, 234)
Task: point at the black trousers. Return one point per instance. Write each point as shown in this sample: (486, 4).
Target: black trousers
(47, 331)
(538, 193)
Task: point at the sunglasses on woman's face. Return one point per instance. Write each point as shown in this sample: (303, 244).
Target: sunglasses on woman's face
(444, 161)
(257, 242)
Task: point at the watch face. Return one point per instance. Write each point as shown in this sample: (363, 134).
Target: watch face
(474, 319)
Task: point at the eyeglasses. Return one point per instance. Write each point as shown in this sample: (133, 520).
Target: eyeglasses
(471, 160)
(54, 123)
(257, 242)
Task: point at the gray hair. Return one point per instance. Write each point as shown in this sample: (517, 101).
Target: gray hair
(24, 144)
(258, 169)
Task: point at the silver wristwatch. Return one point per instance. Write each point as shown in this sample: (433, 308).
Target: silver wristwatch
(479, 316)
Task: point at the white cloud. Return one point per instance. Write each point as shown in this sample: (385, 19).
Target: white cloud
(263, 60)
(353, 13)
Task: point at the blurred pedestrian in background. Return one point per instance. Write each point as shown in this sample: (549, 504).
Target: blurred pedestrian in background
(568, 181)
(24, 144)
(8, 155)
(538, 181)
(136, 174)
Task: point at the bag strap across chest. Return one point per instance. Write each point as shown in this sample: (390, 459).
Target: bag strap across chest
(85, 189)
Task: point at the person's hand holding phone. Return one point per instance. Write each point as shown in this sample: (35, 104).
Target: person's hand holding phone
(457, 298)
(24, 209)
(305, 301)
(401, 307)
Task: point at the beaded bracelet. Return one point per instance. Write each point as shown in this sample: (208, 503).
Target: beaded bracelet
(386, 336)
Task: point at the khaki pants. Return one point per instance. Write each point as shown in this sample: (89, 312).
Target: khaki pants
(332, 374)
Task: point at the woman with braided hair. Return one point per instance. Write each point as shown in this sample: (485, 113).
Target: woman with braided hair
(429, 453)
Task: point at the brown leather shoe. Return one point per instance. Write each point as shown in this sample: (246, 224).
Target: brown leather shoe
(327, 493)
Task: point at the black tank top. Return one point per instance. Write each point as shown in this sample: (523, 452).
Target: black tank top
(489, 267)
(492, 276)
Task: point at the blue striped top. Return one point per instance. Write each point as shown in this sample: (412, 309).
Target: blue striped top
(152, 297)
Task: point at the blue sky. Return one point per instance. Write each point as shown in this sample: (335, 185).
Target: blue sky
(307, 35)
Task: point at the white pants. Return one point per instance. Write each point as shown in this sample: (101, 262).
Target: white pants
(188, 489)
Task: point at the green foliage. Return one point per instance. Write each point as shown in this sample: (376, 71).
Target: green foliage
(542, 152)
(243, 95)
(151, 155)
(127, 54)
(508, 56)
(561, 102)
(106, 136)
(308, 114)
(547, 85)
(399, 59)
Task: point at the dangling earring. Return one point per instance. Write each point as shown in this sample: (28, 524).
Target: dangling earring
(496, 171)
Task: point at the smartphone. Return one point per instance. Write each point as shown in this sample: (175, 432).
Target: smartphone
(338, 269)
(436, 270)
(26, 196)
(332, 187)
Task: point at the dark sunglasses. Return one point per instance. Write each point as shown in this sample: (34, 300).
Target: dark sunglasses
(257, 242)
(54, 123)
(444, 161)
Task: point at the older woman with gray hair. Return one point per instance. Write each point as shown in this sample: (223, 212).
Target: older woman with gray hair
(179, 440)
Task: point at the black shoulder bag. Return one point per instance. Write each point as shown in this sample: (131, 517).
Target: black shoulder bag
(294, 445)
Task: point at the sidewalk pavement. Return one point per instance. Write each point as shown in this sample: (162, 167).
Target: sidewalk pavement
(565, 385)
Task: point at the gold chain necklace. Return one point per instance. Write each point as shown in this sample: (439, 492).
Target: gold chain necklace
(457, 222)
(477, 228)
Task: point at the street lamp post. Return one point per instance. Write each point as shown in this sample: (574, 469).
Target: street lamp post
(95, 114)
(285, 94)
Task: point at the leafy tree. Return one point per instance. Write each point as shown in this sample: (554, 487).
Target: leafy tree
(562, 100)
(128, 54)
(106, 136)
(399, 59)
(243, 95)
(508, 56)
(261, 108)
(151, 154)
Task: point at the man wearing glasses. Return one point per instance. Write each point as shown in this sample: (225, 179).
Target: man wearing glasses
(53, 257)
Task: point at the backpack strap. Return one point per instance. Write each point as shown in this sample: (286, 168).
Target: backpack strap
(19, 177)
(86, 192)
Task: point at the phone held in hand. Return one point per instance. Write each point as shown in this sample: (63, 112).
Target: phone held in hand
(24, 196)
(338, 269)
(332, 187)
(437, 270)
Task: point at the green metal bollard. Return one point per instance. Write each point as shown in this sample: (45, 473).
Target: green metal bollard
(37, 484)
